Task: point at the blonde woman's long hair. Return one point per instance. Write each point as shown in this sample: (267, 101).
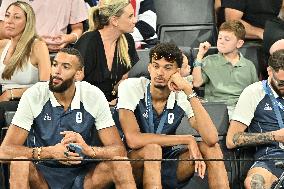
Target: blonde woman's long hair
(23, 47)
(99, 17)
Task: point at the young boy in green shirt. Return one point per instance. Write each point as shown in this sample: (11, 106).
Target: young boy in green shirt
(226, 73)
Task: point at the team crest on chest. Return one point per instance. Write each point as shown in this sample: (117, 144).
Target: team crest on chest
(79, 117)
(171, 118)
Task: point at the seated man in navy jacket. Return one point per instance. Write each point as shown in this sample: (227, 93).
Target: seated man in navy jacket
(54, 116)
(149, 112)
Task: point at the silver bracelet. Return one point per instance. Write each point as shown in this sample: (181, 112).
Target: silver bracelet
(196, 63)
(191, 95)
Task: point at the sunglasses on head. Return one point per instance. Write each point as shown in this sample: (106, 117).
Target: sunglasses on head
(167, 56)
(278, 82)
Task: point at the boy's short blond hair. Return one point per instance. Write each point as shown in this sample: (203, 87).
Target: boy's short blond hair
(234, 26)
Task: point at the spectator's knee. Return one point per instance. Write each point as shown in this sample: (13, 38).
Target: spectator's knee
(119, 164)
(121, 167)
(20, 168)
(152, 151)
(20, 165)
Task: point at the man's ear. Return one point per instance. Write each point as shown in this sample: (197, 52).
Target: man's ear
(269, 71)
(240, 43)
(149, 67)
(79, 76)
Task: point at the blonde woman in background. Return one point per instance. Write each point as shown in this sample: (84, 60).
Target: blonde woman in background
(107, 48)
(24, 57)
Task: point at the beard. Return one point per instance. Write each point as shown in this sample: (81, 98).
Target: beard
(160, 86)
(62, 87)
(276, 89)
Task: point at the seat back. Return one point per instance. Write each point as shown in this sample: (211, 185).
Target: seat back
(141, 67)
(188, 35)
(9, 116)
(186, 22)
(184, 12)
(219, 115)
(253, 53)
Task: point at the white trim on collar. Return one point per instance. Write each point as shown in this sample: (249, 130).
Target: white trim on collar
(171, 100)
(53, 100)
(75, 104)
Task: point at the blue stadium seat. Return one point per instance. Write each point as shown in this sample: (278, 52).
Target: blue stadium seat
(190, 35)
(141, 67)
(254, 53)
(186, 22)
(180, 12)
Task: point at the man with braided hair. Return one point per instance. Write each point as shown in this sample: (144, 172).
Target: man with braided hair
(260, 110)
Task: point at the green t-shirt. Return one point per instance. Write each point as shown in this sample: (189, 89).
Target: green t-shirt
(225, 82)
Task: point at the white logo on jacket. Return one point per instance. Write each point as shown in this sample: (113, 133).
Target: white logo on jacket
(79, 117)
(46, 117)
(267, 107)
(145, 114)
(171, 118)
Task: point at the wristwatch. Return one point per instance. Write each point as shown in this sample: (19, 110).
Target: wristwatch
(191, 95)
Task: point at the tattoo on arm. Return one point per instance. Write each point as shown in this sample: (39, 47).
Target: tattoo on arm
(252, 139)
(257, 182)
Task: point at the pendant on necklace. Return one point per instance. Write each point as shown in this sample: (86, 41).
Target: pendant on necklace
(113, 92)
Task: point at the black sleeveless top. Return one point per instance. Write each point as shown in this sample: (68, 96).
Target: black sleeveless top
(96, 70)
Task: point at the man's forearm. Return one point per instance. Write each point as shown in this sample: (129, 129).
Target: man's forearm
(203, 123)
(252, 32)
(106, 151)
(14, 151)
(252, 139)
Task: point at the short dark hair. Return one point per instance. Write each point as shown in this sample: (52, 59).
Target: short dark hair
(169, 51)
(234, 26)
(276, 60)
(75, 52)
